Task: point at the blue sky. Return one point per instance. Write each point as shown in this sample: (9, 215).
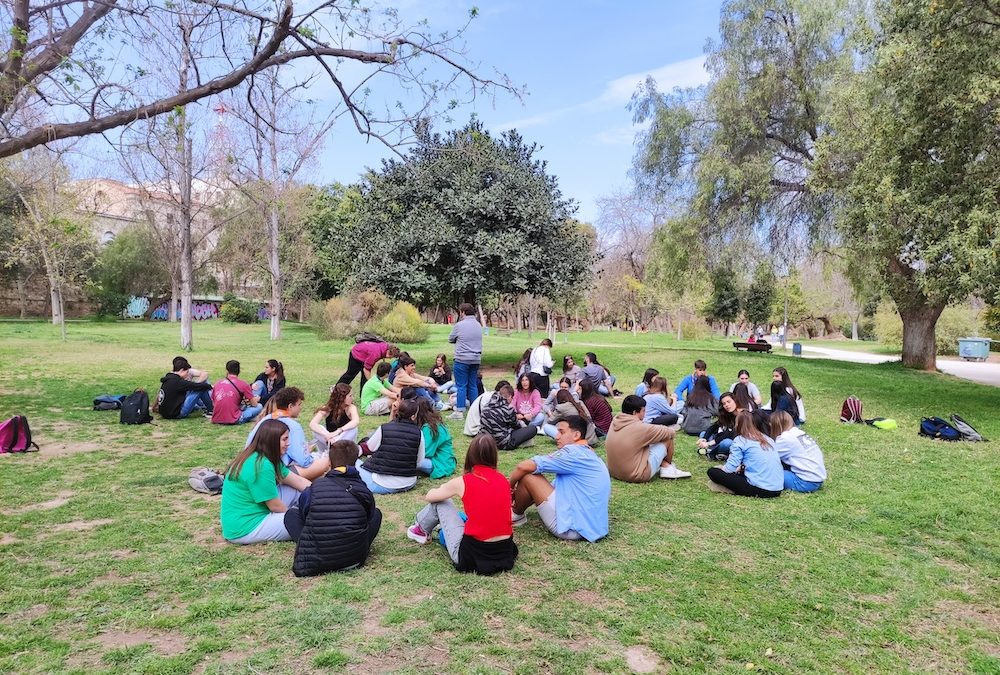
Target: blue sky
(580, 62)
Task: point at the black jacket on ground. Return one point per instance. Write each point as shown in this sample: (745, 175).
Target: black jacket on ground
(397, 453)
(334, 523)
(173, 391)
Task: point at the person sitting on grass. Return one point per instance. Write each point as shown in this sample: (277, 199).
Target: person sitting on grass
(576, 505)
(377, 396)
(474, 418)
(337, 419)
(753, 468)
(686, 385)
(438, 449)
(426, 387)
(182, 390)
(484, 542)
(599, 376)
(441, 374)
(647, 380)
(571, 371)
(397, 457)
(638, 452)
(567, 406)
(743, 377)
(549, 404)
(258, 488)
(597, 406)
(335, 519)
(781, 400)
(700, 408)
(527, 402)
(287, 405)
(716, 440)
(660, 403)
(800, 455)
(270, 381)
(780, 374)
(500, 421)
(233, 400)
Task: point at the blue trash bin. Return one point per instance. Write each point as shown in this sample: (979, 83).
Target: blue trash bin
(974, 348)
(796, 349)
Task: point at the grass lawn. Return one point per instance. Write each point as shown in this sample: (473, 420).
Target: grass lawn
(108, 561)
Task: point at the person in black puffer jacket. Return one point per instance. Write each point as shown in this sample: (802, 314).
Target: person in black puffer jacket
(397, 457)
(335, 520)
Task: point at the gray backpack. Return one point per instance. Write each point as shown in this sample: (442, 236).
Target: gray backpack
(205, 480)
(966, 429)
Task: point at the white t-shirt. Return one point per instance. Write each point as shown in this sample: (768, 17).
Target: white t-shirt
(541, 358)
(798, 450)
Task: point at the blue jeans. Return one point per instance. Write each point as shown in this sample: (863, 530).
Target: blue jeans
(377, 489)
(425, 466)
(466, 390)
(604, 390)
(196, 399)
(549, 430)
(793, 482)
(250, 412)
(537, 420)
(428, 394)
(447, 388)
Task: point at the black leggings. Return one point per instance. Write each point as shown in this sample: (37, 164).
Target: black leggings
(666, 420)
(519, 436)
(354, 366)
(738, 483)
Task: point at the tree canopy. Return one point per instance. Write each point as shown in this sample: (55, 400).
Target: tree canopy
(463, 215)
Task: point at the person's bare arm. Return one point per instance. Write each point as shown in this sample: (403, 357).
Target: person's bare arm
(318, 426)
(318, 468)
(275, 505)
(524, 468)
(453, 488)
(296, 481)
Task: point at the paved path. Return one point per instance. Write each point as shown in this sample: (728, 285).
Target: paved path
(985, 373)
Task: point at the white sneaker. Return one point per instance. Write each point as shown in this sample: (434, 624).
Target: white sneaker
(672, 471)
(457, 415)
(518, 519)
(414, 533)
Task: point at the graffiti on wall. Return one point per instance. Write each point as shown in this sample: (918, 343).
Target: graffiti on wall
(200, 311)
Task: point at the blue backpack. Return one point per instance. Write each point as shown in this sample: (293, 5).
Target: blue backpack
(935, 427)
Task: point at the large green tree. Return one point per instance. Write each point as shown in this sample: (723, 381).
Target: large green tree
(464, 214)
(917, 156)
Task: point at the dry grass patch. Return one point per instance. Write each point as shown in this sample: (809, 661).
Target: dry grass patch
(167, 644)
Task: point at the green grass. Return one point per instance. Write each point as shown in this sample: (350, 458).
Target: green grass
(109, 562)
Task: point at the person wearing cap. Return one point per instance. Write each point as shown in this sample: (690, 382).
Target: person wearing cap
(575, 506)
(182, 390)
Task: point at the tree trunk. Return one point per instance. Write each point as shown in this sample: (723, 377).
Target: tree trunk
(175, 296)
(274, 267)
(919, 347)
(22, 296)
(854, 329)
(185, 176)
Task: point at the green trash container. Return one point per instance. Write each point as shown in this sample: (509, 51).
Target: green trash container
(974, 348)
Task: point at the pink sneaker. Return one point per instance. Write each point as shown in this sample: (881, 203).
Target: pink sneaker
(414, 533)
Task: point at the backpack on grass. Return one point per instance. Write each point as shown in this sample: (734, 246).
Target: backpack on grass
(135, 408)
(368, 337)
(935, 427)
(882, 423)
(968, 432)
(850, 411)
(205, 480)
(108, 402)
(15, 436)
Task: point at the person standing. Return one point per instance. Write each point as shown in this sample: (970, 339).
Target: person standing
(363, 357)
(540, 364)
(467, 336)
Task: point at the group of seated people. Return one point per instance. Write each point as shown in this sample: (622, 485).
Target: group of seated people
(229, 401)
(320, 494)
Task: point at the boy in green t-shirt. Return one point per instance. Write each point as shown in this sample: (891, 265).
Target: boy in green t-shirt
(376, 395)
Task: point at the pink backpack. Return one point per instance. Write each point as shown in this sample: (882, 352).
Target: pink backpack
(15, 435)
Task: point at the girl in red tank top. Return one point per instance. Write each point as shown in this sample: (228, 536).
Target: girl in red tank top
(484, 542)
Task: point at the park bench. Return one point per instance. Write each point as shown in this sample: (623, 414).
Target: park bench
(753, 346)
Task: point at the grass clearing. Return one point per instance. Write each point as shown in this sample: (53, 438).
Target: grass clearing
(109, 562)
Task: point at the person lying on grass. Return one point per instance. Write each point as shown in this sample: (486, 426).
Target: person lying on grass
(337, 419)
(397, 457)
(258, 488)
(638, 452)
(335, 520)
(484, 542)
(753, 468)
(576, 505)
(800, 455)
(287, 406)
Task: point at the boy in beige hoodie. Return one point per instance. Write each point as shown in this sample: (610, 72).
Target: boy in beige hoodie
(636, 451)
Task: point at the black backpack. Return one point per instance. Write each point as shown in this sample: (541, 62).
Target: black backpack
(366, 336)
(135, 408)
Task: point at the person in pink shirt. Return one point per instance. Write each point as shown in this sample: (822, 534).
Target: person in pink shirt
(527, 402)
(363, 357)
(233, 400)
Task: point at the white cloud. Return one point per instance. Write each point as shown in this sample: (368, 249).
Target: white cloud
(687, 73)
(617, 92)
(624, 135)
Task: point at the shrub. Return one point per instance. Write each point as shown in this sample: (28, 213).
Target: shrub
(333, 319)
(695, 329)
(238, 310)
(402, 324)
(371, 305)
(955, 322)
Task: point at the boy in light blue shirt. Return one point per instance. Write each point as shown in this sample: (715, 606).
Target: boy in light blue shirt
(687, 384)
(575, 506)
